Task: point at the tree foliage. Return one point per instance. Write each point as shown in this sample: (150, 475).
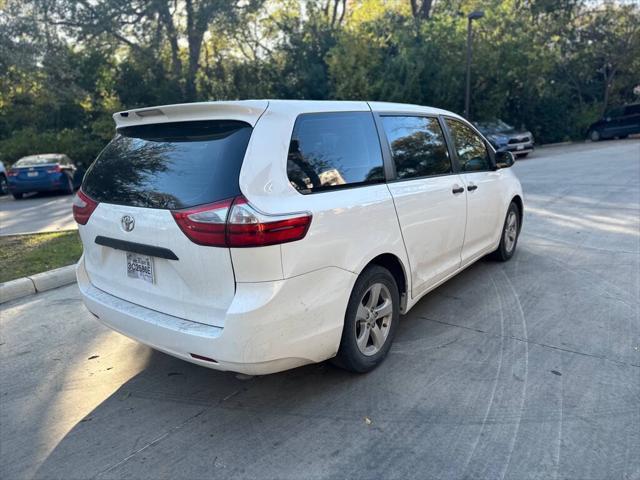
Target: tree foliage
(67, 65)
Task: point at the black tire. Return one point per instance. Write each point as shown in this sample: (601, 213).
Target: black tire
(69, 187)
(595, 136)
(509, 238)
(4, 186)
(17, 196)
(350, 356)
(522, 155)
(622, 137)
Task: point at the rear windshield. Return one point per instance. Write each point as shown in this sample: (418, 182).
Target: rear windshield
(170, 165)
(35, 161)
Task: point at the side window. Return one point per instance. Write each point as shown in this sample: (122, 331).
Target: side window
(472, 152)
(632, 109)
(615, 113)
(333, 150)
(417, 146)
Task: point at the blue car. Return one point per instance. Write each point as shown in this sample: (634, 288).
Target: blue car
(42, 173)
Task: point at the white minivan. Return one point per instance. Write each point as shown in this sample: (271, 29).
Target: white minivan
(258, 236)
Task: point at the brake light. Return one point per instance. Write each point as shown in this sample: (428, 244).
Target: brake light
(83, 207)
(234, 223)
(54, 169)
(12, 173)
(205, 225)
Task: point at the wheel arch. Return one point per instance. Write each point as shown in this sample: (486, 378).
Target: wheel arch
(395, 266)
(517, 199)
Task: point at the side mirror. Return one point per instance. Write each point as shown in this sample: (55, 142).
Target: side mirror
(504, 159)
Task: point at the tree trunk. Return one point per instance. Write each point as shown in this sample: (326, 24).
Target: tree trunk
(198, 20)
(167, 21)
(608, 82)
(194, 40)
(421, 9)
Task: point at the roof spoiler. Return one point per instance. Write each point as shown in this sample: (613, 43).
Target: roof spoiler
(243, 110)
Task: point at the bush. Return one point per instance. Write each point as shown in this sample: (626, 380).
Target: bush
(81, 146)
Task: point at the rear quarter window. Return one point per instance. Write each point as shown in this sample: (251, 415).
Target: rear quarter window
(334, 150)
(170, 165)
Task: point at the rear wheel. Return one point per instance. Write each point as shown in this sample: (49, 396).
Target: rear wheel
(370, 322)
(69, 187)
(4, 186)
(594, 136)
(17, 196)
(510, 232)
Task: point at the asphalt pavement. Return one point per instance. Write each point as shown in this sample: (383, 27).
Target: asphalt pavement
(43, 212)
(519, 370)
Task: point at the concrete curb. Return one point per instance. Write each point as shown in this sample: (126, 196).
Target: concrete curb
(40, 282)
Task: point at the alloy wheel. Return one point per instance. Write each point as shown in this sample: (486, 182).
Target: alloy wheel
(373, 319)
(511, 231)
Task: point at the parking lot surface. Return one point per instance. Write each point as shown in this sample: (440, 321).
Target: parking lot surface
(43, 212)
(527, 369)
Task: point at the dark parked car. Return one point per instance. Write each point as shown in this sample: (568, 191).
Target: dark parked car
(4, 189)
(42, 173)
(506, 138)
(619, 122)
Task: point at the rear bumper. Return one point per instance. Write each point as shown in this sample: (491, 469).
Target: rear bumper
(269, 326)
(517, 148)
(48, 184)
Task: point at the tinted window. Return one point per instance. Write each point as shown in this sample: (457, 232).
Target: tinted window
(615, 112)
(417, 146)
(472, 152)
(170, 165)
(632, 110)
(332, 150)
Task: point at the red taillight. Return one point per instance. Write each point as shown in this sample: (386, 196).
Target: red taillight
(83, 207)
(12, 173)
(234, 223)
(206, 224)
(246, 227)
(54, 169)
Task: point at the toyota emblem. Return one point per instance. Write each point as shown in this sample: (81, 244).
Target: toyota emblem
(128, 223)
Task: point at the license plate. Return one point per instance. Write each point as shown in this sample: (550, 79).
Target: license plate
(140, 266)
(32, 174)
(520, 147)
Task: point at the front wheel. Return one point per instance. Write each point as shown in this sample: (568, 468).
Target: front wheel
(370, 322)
(510, 233)
(594, 136)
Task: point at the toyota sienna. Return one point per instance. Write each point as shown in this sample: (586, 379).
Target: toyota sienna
(258, 236)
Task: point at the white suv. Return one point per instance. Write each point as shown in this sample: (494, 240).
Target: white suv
(257, 236)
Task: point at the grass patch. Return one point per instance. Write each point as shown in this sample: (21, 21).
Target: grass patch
(22, 255)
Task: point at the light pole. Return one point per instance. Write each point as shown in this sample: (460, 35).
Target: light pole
(475, 15)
